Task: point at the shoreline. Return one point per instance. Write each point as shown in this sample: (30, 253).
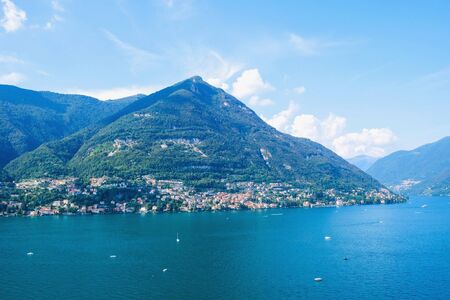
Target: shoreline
(198, 211)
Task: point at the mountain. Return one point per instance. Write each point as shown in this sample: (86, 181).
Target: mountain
(30, 118)
(3, 176)
(196, 133)
(363, 162)
(422, 171)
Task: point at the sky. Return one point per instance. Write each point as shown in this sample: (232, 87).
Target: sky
(360, 77)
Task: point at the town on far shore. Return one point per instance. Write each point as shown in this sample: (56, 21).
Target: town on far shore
(104, 195)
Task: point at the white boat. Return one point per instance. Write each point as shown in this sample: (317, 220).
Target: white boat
(327, 238)
(164, 270)
(30, 253)
(318, 279)
(112, 256)
(423, 206)
(178, 239)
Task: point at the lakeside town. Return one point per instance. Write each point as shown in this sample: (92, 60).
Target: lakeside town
(104, 195)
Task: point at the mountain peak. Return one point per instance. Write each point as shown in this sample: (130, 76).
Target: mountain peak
(196, 79)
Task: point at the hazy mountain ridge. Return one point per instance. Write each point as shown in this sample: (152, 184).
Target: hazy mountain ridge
(364, 162)
(424, 170)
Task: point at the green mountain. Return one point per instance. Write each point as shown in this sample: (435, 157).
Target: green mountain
(425, 170)
(196, 133)
(29, 118)
(363, 162)
(3, 176)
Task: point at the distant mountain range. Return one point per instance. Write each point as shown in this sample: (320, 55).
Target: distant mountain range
(30, 118)
(422, 171)
(190, 131)
(363, 162)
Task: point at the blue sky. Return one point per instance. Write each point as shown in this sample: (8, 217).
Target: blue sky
(361, 77)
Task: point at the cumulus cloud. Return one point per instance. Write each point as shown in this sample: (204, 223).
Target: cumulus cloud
(13, 16)
(306, 126)
(282, 120)
(323, 131)
(250, 83)
(367, 141)
(256, 101)
(12, 78)
(115, 93)
(330, 133)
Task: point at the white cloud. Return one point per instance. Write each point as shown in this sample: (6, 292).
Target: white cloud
(57, 11)
(56, 6)
(332, 126)
(300, 90)
(250, 83)
(305, 46)
(10, 59)
(12, 78)
(214, 68)
(50, 25)
(282, 120)
(115, 93)
(367, 141)
(256, 101)
(13, 18)
(323, 131)
(138, 58)
(330, 133)
(306, 126)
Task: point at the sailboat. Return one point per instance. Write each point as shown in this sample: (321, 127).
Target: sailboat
(178, 239)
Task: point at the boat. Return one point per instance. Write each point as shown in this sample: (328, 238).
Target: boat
(423, 206)
(318, 279)
(178, 239)
(164, 270)
(30, 253)
(112, 256)
(327, 238)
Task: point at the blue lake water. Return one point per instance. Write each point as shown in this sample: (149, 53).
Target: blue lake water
(394, 252)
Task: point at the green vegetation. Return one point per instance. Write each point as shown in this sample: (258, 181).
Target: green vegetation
(195, 133)
(29, 118)
(422, 171)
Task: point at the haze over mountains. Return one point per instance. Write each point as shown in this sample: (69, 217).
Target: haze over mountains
(363, 162)
(29, 118)
(422, 171)
(193, 132)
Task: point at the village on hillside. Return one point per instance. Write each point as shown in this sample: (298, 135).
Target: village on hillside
(50, 196)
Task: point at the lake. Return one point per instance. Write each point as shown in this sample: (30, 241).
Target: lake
(397, 251)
